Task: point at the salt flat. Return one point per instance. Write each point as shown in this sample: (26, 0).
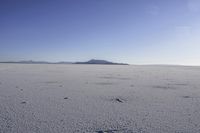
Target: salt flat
(50, 98)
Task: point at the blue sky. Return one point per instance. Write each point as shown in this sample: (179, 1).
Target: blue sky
(131, 31)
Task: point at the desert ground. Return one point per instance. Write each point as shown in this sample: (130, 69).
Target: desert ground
(53, 98)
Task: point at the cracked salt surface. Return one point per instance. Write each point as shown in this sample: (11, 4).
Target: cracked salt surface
(99, 99)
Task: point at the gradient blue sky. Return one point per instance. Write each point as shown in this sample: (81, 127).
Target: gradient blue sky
(131, 31)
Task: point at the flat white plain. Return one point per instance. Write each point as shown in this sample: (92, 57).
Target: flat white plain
(50, 98)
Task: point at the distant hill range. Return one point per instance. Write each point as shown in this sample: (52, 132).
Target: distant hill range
(37, 62)
(93, 61)
(104, 62)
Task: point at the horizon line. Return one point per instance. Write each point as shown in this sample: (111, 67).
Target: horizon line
(74, 62)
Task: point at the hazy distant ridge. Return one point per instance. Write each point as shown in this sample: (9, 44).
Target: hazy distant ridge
(37, 62)
(93, 61)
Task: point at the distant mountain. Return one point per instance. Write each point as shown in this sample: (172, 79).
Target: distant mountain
(94, 61)
(36, 62)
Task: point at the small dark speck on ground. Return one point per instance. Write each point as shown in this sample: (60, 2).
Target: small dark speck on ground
(99, 131)
(186, 97)
(60, 85)
(66, 98)
(23, 102)
(21, 89)
(118, 100)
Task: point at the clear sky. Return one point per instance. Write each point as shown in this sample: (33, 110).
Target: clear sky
(130, 31)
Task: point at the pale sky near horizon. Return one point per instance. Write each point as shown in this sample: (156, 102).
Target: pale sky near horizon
(129, 31)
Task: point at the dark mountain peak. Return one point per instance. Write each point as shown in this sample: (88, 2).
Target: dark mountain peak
(99, 61)
(95, 61)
